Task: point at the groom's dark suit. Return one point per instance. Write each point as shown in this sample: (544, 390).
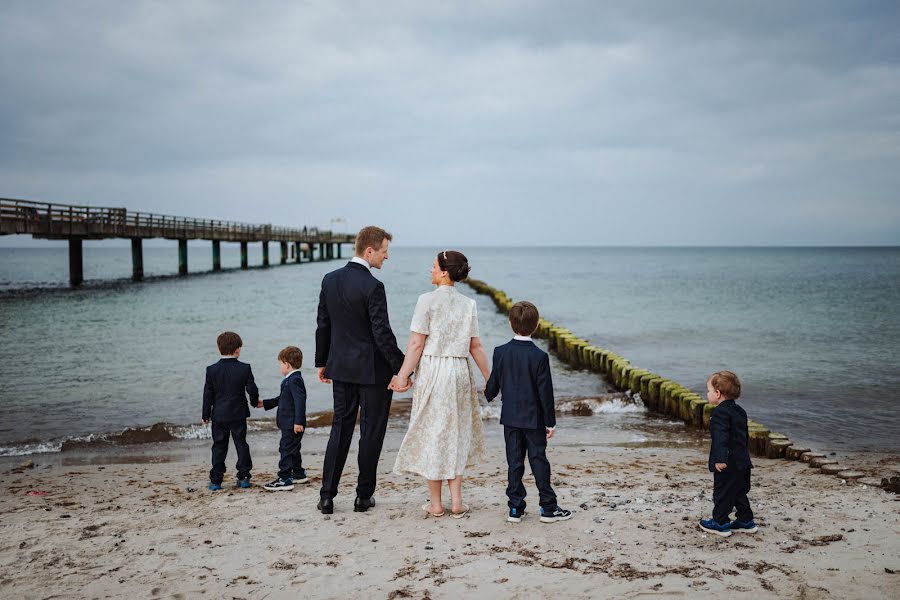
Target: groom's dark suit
(355, 344)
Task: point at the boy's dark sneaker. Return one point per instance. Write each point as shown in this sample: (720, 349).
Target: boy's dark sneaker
(744, 526)
(557, 514)
(515, 515)
(301, 477)
(279, 485)
(714, 527)
(214, 487)
(243, 483)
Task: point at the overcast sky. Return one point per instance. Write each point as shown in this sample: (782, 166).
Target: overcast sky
(455, 123)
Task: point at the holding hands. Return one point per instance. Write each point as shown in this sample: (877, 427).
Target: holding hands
(397, 386)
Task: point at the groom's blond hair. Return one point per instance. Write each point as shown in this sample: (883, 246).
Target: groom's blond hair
(371, 237)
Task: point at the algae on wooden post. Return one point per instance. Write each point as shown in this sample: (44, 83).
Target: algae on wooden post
(707, 414)
(698, 405)
(654, 386)
(759, 439)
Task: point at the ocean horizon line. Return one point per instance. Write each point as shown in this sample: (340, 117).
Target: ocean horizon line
(124, 243)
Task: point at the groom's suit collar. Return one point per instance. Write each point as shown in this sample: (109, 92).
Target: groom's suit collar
(360, 262)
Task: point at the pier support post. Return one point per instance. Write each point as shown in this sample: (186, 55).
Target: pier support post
(265, 246)
(182, 257)
(322, 251)
(76, 262)
(284, 252)
(137, 259)
(339, 250)
(243, 255)
(217, 255)
(298, 251)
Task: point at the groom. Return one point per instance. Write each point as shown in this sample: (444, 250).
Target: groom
(357, 353)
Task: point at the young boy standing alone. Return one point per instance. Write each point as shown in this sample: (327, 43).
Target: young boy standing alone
(729, 459)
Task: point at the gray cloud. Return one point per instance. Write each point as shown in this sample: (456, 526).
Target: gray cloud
(466, 123)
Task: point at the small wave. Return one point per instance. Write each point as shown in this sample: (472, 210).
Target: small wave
(26, 448)
(580, 406)
(600, 406)
(317, 423)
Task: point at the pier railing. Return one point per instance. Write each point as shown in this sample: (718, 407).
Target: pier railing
(48, 220)
(59, 221)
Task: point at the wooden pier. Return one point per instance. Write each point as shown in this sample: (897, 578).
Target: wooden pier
(50, 221)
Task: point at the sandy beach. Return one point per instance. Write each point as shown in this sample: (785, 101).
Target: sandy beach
(141, 524)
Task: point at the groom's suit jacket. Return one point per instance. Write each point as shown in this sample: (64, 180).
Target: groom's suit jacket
(354, 341)
(521, 373)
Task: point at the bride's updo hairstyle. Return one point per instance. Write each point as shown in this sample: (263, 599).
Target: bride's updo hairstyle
(455, 263)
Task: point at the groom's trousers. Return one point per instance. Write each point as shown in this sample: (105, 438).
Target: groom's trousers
(373, 403)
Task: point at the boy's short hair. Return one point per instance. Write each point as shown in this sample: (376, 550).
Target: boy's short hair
(228, 343)
(727, 383)
(292, 356)
(371, 237)
(523, 317)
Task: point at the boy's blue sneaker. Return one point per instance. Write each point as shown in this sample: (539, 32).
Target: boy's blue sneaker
(557, 514)
(301, 477)
(279, 485)
(243, 483)
(515, 515)
(744, 526)
(214, 487)
(714, 527)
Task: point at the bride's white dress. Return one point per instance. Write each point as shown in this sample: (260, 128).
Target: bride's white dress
(445, 432)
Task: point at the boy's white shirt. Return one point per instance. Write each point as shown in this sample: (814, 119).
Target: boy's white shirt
(289, 374)
(527, 338)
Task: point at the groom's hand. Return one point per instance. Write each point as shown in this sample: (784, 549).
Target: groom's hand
(322, 377)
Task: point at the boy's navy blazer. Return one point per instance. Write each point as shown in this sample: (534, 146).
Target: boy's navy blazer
(521, 374)
(228, 382)
(354, 341)
(728, 430)
(291, 402)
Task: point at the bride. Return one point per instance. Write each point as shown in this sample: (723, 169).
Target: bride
(445, 433)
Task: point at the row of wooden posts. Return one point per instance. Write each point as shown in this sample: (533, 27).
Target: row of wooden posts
(664, 396)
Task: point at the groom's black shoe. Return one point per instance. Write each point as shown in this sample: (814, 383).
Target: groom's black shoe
(363, 504)
(325, 506)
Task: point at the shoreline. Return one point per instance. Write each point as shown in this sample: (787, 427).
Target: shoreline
(642, 430)
(115, 523)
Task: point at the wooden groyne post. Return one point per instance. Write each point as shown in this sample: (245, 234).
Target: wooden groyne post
(75, 224)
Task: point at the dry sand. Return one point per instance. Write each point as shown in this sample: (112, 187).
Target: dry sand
(139, 529)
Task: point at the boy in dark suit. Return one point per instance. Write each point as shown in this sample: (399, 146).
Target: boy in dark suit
(521, 374)
(225, 403)
(291, 420)
(729, 459)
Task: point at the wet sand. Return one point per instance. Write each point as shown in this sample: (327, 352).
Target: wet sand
(139, 522)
